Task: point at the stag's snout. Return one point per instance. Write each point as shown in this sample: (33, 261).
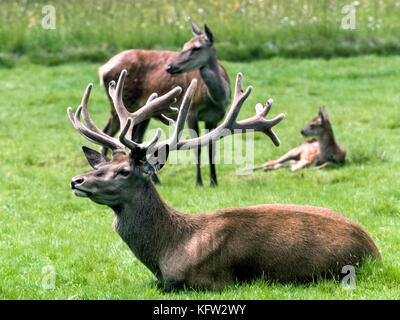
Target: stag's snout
(303, 133)
(76, 184)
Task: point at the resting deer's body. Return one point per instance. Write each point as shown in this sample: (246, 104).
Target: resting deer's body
(210, 250)
(320, 152)
(159, 71)
(280, 242)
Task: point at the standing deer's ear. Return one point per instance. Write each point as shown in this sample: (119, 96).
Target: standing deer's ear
(94, 158)
(196, 30)
(209, 34)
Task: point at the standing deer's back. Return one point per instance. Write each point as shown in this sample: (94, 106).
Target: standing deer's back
(146, 75)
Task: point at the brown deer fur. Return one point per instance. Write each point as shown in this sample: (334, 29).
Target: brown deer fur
(208, 251)
(159, 71)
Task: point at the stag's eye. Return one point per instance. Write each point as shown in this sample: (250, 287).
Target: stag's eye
(123, 173)
(196, 48)
(99, 174)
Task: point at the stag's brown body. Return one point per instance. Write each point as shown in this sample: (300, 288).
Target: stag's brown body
(278, 242)
(211, 250)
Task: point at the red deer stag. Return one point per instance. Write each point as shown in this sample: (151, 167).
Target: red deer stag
(320, 152)
(211, 250)
(160, 71)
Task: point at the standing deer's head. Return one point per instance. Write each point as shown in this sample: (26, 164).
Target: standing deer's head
(113, 181)
(318, 125)
(196, 53)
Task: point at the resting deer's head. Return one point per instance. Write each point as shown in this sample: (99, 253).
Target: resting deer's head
(114, 181)
(318, 125)
(196, 53)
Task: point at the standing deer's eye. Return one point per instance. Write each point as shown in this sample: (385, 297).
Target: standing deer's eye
(196, 48)
(123, 173)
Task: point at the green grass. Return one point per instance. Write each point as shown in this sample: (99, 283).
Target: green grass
(42, 223)
(244, 30)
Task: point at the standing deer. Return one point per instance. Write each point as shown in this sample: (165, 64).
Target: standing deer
(208, 251)
(320, 152)
(159, 71)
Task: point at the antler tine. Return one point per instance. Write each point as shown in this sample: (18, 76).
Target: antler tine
(154, 106)
(231, 126)
(92, 133)
(115, 92)
(180, 122)
(258, 123)
(238, 100)
(85, 111)
(92, 136)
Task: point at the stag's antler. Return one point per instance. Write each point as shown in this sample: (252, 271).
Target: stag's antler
(154, 106)
(230, 125)
(158, 106)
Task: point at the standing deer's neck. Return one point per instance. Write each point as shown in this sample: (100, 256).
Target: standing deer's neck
(218, 87)
(148, 226)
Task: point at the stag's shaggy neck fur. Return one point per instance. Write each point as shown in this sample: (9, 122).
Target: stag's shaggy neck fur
(147, 225)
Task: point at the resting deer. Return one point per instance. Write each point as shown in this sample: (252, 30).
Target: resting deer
(160, 71)
(210, 250)
(320, 152)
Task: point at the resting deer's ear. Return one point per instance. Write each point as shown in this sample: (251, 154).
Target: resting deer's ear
(159, 158)
(322, 114)
(196, 30)
(209, 34)
(94, 158)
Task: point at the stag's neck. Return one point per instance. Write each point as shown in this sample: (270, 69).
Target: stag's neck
(149, 226)
(218, 87)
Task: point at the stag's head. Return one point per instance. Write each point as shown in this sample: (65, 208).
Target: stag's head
(196, 53)
(318, 125)
(113, 181)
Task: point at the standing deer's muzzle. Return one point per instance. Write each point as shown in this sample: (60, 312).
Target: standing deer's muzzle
(172, 69)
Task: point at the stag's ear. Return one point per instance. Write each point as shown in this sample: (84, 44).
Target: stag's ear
(209, 34)
(94, 158)
(196, 30)
(159, 158)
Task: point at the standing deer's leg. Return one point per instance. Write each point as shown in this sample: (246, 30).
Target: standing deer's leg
(211, 156)
(111, 128)
(139, 130)
(194, 133)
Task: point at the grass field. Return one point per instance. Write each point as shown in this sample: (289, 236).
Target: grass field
(244, 30)
(43, 224)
